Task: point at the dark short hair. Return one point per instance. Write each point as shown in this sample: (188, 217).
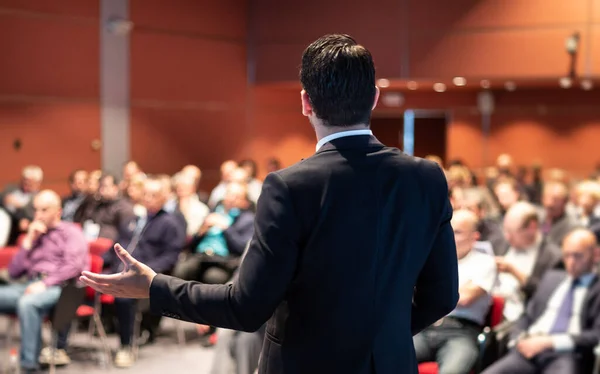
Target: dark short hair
(338, 76)
(252, 164)
(110, 176)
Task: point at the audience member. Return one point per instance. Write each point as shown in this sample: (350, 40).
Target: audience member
(218, 192)
(561, 326)
(18, 200)
(188, 202)
(103, 217)
(53, 252)
(155, 240)
(224, 234)
(452, 341)
(524, 260)
(556, 223)
(72, 202)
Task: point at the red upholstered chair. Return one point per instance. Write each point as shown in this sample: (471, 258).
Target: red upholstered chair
(494, 319)
(100, 245)
(6, 255)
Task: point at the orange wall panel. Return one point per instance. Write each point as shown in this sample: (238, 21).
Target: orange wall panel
(176, 68)
(427, 15)
(165, 139)
(87, 8)
(46, 57)
(55, 135)
(513, 53)
(219, 19)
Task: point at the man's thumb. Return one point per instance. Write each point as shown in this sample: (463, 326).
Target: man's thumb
(124, 255)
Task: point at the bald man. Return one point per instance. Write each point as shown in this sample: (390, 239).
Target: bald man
(452, 341)
(561, 326)
(227, 170)
(52, 253)
(556, 223)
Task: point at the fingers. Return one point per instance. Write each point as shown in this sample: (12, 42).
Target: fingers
(125, 257)
(100, 287)
(102, 278)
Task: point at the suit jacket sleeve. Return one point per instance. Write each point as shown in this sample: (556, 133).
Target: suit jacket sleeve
(436, 289)
(263, 279)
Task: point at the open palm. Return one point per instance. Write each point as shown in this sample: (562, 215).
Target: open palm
(133, 282)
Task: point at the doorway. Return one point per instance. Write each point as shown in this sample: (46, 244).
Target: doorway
(389, 130)
(425, 133)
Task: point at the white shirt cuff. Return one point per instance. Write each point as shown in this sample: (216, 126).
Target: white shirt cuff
(563, 343)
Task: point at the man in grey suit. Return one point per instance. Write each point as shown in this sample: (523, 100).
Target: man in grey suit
(353, 252)
(558, 332)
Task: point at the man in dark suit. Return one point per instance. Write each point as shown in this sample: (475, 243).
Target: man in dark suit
(561, 326)
(353, 252)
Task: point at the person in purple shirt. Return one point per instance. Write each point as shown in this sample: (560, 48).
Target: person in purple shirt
(52, 253)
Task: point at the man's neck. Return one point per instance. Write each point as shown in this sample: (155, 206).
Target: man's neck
(323, 131)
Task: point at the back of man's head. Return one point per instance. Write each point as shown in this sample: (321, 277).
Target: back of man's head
(338, 76)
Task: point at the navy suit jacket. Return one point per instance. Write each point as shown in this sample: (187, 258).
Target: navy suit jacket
(352, 255)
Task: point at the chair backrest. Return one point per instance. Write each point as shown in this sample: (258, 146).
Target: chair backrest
(100, 245)
(497, 311)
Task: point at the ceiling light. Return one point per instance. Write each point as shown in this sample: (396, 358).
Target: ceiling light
(565, 82)
(383, 83)
(587, 84)
(485, 84)
(510, 86)
(459, 81)
(412, 85)
(439, 87)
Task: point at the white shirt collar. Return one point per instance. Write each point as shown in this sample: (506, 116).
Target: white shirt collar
(342, 134)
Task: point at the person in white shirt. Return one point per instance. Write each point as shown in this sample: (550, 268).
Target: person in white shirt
(523, 262)
(452, 341)
(561, 326)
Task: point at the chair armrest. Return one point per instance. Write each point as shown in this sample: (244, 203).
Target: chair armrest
(502, 329)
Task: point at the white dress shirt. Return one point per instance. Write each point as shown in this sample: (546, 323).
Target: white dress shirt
(563, 342)
(480, 269)
(341, 134)
(509, 287)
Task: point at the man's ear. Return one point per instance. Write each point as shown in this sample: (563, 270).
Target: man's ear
(377, 92)
(306, 106)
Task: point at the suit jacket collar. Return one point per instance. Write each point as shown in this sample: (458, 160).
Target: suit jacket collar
(351, 142)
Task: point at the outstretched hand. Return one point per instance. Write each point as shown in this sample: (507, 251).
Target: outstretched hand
(133, 282)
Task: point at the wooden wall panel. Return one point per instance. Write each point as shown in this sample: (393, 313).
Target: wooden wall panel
(43, 56)
(219, 19)
(510, 53)
(55, 135)
(429, 39)
(49, 88)
(176, 68)
(164, 140)
(72, 8)
(433, 15)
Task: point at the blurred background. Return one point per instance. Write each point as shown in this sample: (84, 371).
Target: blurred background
(91, 84)
(503, 93)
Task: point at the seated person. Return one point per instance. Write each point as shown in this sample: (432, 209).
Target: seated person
(155, 240)
(52, 253)
(555, 222)
(224, 234)
(103, 217)
(452, 341)
(561, 326)
(18, 201)
(524, 260)
(78, 184)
